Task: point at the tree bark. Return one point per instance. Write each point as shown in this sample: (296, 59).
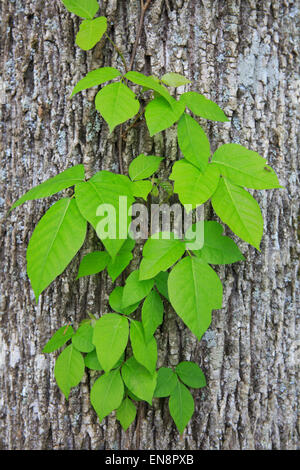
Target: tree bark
(244, 56)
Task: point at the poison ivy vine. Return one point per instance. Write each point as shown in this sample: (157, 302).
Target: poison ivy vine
(169, 271)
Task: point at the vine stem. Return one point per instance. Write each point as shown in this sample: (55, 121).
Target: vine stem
(144, 7)
(133, 124)
(118, 52)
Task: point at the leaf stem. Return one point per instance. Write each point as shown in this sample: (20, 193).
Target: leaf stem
(118, 52)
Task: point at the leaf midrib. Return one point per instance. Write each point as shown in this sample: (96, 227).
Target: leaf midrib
(53, 240)
(236, 209)
(239, 170)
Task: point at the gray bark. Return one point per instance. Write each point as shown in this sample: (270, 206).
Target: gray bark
(243, 55)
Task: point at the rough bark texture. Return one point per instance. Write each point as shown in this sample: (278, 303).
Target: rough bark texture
(242, 54)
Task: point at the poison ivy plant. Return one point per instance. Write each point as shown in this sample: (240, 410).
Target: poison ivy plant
(120, 344)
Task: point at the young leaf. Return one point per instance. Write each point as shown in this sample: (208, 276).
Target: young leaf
(160, 114)
(105, 188)
(117, 103)
(217, 248)
(95, 77)
(110, 338)
(143, 166)
(138, 380)
(126, 413)
(115, 301)
(82, 340)
(91, 361)
(63, 180)
(135, 289)
(151, 83)
(194, 290)
(166, 382)
(82, 8)
(159, 255)
(144, 352)
(90, 32)
(161, 283)
(59, 338)
(245, 167)
(192, 186)
(181, 406)
(55, 241)
(141, 189)
(174, 79)
(191, 374)
(69, 369)
(239, 210)
(193, 142)
(93, 263)
(152, 314)
(203, 107)
(107, 393)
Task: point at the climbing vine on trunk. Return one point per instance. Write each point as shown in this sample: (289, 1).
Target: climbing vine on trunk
(177, 269)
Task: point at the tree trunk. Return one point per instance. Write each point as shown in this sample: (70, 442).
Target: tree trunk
(241, 54)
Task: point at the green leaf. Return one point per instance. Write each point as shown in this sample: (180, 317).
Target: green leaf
(193, 142)
(96, 77)
(181, 406)
(55, 241)
(161, 283)
(115, 301)
(110, 338)
(59, 338)
(107, 393)
(194, 290)
(155, 191)
(126, 413)
(174, 79)
(135, 289)
(151, 83)
(191, 374)
(124, 256)
(217, 248)
(138, 380)
(239, 210)
(144, 166)
(203, 107)
(133, 396)
(63, 180)
(152, 314)
(141, 189)
(166, 382)
(91, 361)
(90, 32)
(106, 188)
(93, 263)
(117, 103)
(145, 352)
(160, 115)
(82, 340)
(159, 255)
(69, 369)
(245, 167)
(82, 8)
(192, 186)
